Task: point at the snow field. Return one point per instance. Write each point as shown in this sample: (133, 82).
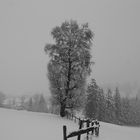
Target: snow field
(24, 125)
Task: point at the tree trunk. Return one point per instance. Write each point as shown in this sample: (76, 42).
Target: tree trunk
(62, 110)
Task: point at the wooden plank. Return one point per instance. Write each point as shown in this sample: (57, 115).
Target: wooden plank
(80, 132)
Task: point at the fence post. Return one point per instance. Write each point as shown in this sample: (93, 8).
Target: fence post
(88, 123)
(75, 119)
(92, 124)
(64, 132)
(80, 126)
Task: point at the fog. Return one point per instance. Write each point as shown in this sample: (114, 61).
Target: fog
(25, 27)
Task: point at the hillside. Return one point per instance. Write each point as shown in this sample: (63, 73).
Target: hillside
(23, 125)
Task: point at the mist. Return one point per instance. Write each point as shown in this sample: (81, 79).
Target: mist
(25, 29)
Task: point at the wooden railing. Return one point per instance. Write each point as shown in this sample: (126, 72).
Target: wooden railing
(72, 117)
(90, 127)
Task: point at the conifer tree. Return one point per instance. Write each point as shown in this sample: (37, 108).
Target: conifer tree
(125, 113)
(42, 104)
(92, 108)
(110, 113)
(101, 105)
(30, 104)
(117, 101)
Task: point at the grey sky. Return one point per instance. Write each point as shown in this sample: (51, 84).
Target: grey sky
(25, 27)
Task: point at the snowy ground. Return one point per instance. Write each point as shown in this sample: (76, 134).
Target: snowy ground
(23, 125)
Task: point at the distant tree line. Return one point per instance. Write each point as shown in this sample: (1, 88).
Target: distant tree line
(110, 106)
(2, 98)
(35, 103)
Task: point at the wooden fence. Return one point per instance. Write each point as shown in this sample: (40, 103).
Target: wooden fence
(89, 127)
(72, 117)
(77, 133)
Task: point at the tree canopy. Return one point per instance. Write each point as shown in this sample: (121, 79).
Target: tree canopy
(70, 63)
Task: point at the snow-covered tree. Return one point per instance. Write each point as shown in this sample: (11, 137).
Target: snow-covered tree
(117, 101)
(110, 107)
(69, 64)
(30, 104)
(42, 106)
(92, 106)
(101, 105)
(125, 113)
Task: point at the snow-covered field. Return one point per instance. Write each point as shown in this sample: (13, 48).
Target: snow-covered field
(23, 125)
